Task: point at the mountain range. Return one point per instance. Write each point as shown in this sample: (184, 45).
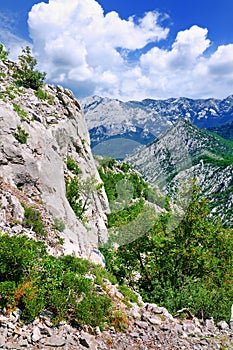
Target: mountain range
(116, 128)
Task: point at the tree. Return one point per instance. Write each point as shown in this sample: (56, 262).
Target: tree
(190, 266)
(26, 75)
(3, 53)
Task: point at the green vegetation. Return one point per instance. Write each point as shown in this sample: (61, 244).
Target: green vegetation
(23, 115)
(112, 174)
(34, 220)
(225, 131)
(190, 266)
(73, 166)
(26, 75)
(21, 135)
(73, 196)
(2, 97)
(127, 193)
(12, 91)
(126, 215)
(44, 96)
(59, 225)
(41, 94)
(3, 53)
(33, 281)
(129, 294)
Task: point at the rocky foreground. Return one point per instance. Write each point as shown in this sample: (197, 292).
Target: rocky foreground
(147, 326)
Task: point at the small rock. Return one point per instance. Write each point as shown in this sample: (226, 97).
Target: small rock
(222, 325)
(142, 324)
(98, 288)
(134, 334)
(17, 314)
(2, 342)
(23, 343)
(36, 335)
(84, 343)
(44, 330)
(97, 331)
(11, 326)
(155, 320)
(70, 340)
(210, 324)
(55, 341)
(12, 346)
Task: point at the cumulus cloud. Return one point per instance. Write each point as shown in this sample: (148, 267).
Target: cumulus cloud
(95, 53)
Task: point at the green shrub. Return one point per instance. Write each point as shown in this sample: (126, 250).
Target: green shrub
(50, 99)
(41, 94)
(21, 135)
(9, 93)
(33, 280)
(118, 319)
(59, 225)
(73, 196)
(33, 220)
(72, 166)
(129, 294)
(2, 97)
(18, 256)
(26, 75)
(23, 115)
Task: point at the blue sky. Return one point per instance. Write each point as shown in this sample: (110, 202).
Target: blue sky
(127, 49)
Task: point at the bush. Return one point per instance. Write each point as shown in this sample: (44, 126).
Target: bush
(41, 94)
(59, 225)
(26, 75)
(73, 166)
(23, 115)
(32, 280)
(33, 220)
(21, 135)
(73, 196)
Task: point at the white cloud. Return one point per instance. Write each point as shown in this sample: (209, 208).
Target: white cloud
(91, 52)
(11, 41)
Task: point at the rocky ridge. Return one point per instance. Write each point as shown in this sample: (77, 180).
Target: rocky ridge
(38, 135)
(184, 153)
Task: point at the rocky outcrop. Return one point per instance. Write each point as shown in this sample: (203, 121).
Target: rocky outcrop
(37, 135)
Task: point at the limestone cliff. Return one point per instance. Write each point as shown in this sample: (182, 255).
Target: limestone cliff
(38, 133)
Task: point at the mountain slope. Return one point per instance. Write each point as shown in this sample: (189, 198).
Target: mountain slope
(45, 148)
(146, 120)
(185, 153)
(225, 130)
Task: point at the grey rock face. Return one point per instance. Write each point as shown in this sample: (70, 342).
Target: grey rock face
(56, 129)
